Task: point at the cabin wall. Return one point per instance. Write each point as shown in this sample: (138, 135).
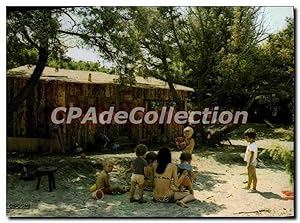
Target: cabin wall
(32, 118)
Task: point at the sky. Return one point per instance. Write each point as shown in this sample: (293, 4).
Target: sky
(274, 22)
(275, 17)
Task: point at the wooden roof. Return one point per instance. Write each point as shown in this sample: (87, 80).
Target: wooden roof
(78, 76)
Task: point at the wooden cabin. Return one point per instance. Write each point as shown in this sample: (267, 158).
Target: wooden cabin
(86, 89)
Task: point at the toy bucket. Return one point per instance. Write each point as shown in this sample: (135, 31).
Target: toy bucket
(98, 194)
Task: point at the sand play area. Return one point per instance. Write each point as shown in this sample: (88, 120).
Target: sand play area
(219, 191)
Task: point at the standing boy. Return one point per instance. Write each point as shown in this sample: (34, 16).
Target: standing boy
(138, 167)
(250, 158)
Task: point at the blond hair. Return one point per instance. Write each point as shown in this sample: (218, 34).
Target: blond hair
(106, 162)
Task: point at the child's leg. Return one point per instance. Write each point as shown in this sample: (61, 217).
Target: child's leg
(182, 198)
(188, 198)
(132, 189)
(141, 191)
(190, 188)
(249, 177)
(141, 183)
(254, 178)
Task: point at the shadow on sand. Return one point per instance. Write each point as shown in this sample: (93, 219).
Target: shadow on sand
(209, 180)
(270, 195)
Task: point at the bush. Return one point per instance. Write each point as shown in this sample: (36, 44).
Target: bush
(284, 156)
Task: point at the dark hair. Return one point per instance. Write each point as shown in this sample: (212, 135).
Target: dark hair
(141, 149)
(185, 156)
(150, 157)
(163, 159)
(251, 133)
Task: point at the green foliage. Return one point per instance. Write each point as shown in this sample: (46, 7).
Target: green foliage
(277, 54)
(108, 30)
(21, 57)
(215, 50)
(68, 63)
(28, 31)
(285, 156)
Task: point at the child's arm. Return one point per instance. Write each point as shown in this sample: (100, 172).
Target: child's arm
(130, 169)
(190, 146)
(251, 159)
(178, 181)
(193, 176)
(146, 171)
(149, 171)
(102, 182)
(107, 183)
(99, 182)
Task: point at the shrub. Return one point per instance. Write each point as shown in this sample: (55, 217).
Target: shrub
(284, 156)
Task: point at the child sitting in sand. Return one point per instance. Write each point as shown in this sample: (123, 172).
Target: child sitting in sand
(103, 185)
(151, 159)
(138, 167)
(187, 182)
(186, 143)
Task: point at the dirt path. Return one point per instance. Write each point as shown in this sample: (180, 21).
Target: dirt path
(219, 194)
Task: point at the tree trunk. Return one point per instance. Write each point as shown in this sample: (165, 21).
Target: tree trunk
(27, 90)
(179, 102)
(220, 135)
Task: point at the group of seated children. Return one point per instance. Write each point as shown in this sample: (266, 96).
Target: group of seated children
(143, 171)
(142, 175)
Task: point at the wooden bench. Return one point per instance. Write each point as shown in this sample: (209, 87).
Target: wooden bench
(31, 145)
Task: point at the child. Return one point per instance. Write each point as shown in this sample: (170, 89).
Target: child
(138, 167)
(250, 158)
(151, 159)
(103, 183)
(187, 143)
(185, 164)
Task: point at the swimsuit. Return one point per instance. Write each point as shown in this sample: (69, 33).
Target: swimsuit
(160, 177)
(167, 199)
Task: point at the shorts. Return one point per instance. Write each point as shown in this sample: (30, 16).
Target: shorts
(137, 179)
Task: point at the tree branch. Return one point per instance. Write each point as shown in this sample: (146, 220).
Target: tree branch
(27, 37)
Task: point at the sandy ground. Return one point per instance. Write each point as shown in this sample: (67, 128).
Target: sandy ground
(219, 193)
(263, 143)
